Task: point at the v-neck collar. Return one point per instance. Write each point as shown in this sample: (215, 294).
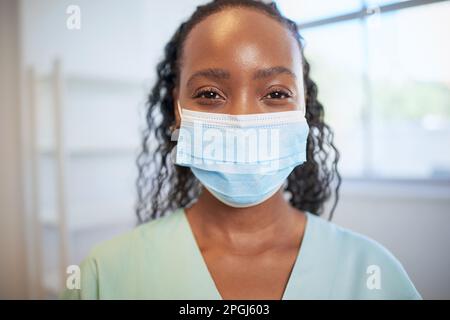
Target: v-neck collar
(293, 285)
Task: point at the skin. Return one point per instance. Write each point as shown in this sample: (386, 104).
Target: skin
(249, 252)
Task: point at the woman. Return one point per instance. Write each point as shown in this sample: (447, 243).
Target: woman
(230, 195)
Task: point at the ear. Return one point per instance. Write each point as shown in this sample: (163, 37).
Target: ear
(175, 98)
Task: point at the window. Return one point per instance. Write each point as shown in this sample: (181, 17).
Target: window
(384, 80)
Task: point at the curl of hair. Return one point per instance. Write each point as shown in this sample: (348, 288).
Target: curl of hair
(163, 187)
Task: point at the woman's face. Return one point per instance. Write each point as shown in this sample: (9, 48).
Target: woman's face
(240, 61)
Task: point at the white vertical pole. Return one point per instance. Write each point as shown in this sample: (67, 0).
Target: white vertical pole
(61, 161)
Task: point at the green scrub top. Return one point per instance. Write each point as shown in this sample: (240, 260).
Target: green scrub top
(160, 259)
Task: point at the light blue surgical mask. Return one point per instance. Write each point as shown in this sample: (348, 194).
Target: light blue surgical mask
(241, 159)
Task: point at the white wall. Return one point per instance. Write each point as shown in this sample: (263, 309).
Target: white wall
(116, 40)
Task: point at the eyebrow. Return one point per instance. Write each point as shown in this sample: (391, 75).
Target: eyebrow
(268, 72)
(222, 74)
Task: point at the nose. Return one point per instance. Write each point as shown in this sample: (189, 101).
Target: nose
(243, 102)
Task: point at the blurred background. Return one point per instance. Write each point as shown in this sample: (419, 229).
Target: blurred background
(74, 76)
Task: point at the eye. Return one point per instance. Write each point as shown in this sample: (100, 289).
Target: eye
(208, 94)
(278, 94)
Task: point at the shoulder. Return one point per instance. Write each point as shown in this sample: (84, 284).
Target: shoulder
(145, 236)
(363, 266)
(118, 262)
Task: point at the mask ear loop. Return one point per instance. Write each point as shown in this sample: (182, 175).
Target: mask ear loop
(175, 134)
(176, 131)
(179, 110)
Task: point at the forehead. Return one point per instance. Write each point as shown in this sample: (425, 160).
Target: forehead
(240, 39)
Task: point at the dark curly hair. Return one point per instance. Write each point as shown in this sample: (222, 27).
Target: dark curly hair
(163, 187)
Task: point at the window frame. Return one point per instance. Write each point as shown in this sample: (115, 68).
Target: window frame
(362, 15)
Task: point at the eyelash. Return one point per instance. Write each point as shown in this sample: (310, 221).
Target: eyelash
(282, 92)
(202, 92)
(287, 94)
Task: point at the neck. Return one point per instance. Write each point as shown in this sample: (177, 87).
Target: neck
(232, 225)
